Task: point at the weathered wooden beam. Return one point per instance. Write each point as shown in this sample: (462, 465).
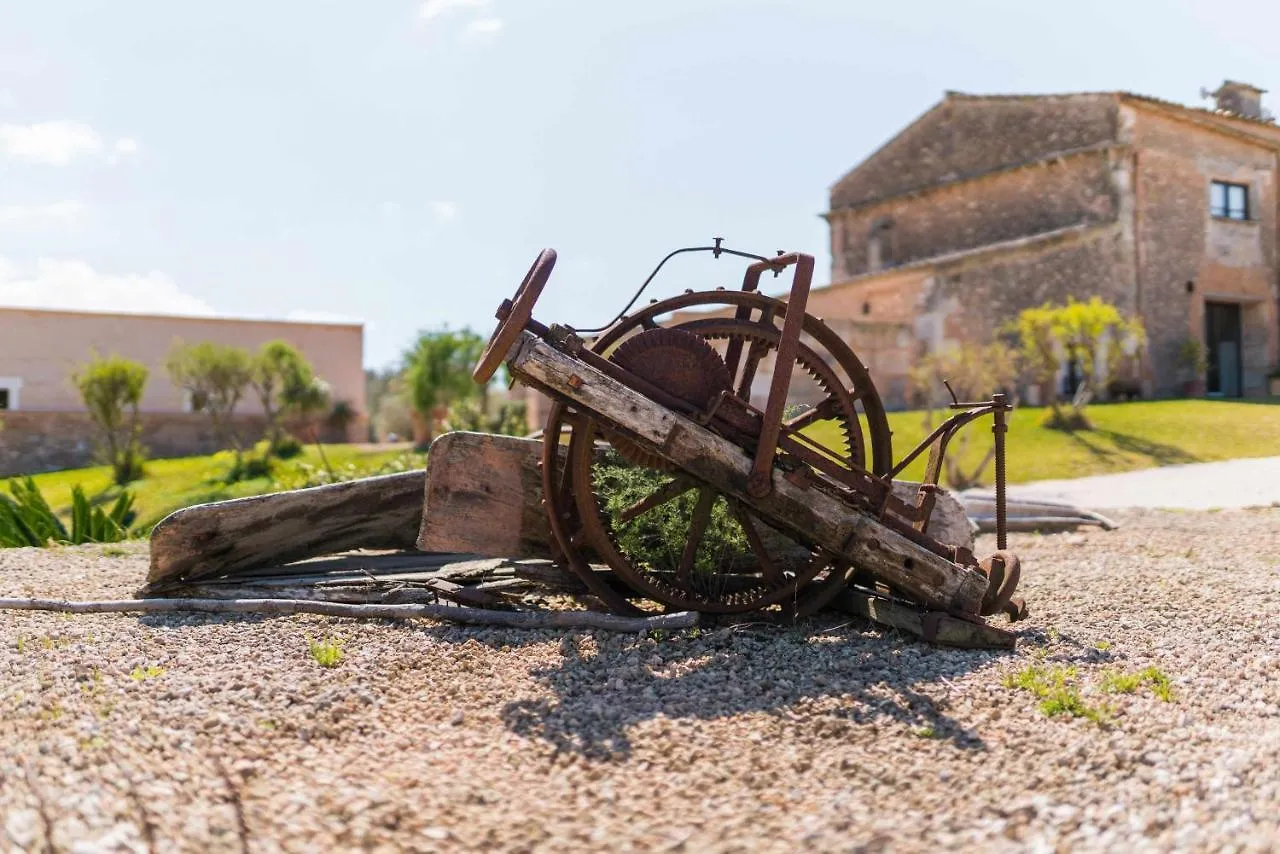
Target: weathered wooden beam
(810, 514)
(483, 494)
(246, 533)
(935, 627)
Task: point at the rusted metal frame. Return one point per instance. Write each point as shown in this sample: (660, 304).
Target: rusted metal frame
(750, 284)
(760, 482)
(877, 492)
(946, 428)
(881, 448)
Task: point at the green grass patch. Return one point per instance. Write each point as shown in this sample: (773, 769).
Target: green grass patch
(142, 674)
(172, 484)
(1058, 691)
(327, 652)
(1127, 683)
(1125, 437)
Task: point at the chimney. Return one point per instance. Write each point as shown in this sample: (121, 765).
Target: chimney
(1240, 99)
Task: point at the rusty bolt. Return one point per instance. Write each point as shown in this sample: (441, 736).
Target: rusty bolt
(575, 382)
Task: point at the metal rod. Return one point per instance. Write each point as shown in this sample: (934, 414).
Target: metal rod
(999, 428)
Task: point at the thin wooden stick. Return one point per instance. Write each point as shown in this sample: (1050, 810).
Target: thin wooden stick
(452, 613)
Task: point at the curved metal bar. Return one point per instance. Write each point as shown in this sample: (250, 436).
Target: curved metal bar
(717, 250)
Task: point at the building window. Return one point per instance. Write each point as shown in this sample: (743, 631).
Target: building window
(9, 388)
(880, 245)
(1229, 201)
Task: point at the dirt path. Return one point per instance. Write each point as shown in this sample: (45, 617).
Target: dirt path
(203, 733)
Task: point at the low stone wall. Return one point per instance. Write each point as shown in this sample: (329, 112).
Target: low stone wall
(33, 442)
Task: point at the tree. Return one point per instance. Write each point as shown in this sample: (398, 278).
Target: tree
(1083, 332)
(284, 381)
(111, 389)
(438, 375)
(216, 377)
(974, 372)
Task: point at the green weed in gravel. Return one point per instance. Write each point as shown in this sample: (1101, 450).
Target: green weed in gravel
(141, 674)
(326, 653)
(1057, 691)
(1127, 683)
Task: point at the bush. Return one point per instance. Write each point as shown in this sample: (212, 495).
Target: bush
(27, 520)
(510, 419)
(287, 448)
(657, 539)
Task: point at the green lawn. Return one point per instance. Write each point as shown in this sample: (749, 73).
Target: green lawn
(1125, 436)
(175, 483)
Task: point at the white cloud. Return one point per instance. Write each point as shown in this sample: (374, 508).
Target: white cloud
(57, 143)
(37, 217)
(444, 211)
(433, 9)
(52, 283)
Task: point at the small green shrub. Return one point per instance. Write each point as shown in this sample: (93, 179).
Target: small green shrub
(287, 448)
(27, 520)
(327, 652)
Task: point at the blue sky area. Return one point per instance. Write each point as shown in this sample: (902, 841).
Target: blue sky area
(401, 162)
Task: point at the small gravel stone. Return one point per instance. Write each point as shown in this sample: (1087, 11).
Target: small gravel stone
(198, 732)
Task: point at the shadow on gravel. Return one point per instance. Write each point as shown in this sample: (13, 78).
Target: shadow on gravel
(822, 685)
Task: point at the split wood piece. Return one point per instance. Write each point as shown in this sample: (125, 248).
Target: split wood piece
(449, 613)
(946, 630)
(483, 494)
(809, 514)
(249, 533)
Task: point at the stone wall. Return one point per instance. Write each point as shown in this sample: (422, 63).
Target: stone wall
(1045, 197)
(965, 136)
(33, 442)
(1189, 257)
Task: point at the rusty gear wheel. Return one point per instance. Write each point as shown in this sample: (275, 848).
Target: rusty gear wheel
(678, 362)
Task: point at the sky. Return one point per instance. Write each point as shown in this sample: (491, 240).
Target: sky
(401, 162)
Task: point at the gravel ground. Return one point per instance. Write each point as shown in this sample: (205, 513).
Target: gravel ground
(831, 736)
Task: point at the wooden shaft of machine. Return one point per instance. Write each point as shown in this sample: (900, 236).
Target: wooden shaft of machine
(813, 516)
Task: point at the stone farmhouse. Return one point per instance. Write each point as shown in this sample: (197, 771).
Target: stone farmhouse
(45, 425)
(989, 204)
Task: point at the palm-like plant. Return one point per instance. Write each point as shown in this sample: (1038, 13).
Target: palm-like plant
(438, 375)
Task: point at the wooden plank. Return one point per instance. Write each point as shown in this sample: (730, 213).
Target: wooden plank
(949, 631)
(248, 533)
(810, 514)
(483, 494)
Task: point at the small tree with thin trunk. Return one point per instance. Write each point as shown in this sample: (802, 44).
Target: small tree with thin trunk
(111, 389)
(438, 375)
(1094, 334)
(282, 378)
(216, 377)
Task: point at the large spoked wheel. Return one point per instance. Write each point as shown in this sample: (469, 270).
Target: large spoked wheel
(514, 315)
(681, 542)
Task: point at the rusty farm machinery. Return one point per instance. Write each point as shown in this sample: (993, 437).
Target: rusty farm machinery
(718, 452)
(798, 518)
